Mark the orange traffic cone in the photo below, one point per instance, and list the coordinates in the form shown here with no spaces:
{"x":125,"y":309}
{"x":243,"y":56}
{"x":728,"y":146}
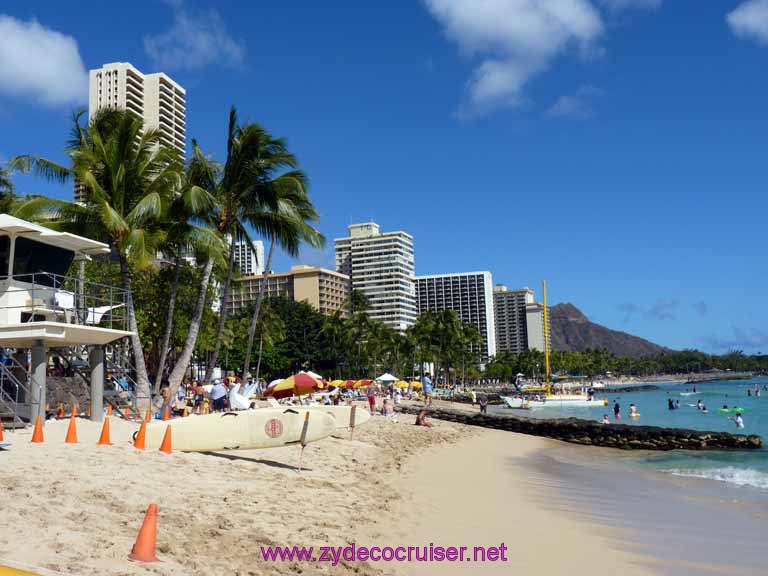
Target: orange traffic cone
{"x":37,"y":435}
{"x":141,"y":437}
{"x":60,"y":413}
{"x":75,"y":411}
{"x":148,"y":415}
{"x":166,"y":445}
{"x":146,"y":542}
{"x":71,"y":431}
{"x":104,"y":438}
{"x":109,"y":410}
{"x":166,"y":413}
{"x":1,"y":430}
{"x":88,"y":411}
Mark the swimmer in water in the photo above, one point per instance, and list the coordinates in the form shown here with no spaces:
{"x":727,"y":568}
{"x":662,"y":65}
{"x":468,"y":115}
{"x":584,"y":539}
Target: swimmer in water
{"x":632,"y":410}
{"x":738,"y":420}
{"x":605,"y":419}
{"x":704,"y":410}
{"x":617,"y":411}
{"x":698,"y":405}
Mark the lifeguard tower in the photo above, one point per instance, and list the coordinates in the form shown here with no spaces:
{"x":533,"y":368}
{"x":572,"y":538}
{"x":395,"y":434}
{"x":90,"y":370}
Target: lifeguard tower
{"x":45,"y":312}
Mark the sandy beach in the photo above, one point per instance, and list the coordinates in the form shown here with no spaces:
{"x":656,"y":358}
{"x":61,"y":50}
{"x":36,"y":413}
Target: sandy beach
{"x":76,"y":509}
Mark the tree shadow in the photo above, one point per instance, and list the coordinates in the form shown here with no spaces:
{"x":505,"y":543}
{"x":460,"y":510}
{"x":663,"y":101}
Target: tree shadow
{"x":270,"y":463}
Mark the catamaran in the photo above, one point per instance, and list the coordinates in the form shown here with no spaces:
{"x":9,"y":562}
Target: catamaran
{"x":531,"y":398}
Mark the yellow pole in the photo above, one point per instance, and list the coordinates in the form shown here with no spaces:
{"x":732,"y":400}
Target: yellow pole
{"x":546,"y":338}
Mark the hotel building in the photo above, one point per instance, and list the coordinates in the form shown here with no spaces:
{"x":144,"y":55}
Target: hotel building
{"x":249,"y":259}
{"x":469,"y":294}
{"x":511,"y":323}
{"x":325,"y":290}
{"x":380,"y":265}
{"x":534,"y":322}
{"x":156,"y":98}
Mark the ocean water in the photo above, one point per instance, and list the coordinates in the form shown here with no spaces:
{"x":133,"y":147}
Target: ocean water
{"x":748,"y":469}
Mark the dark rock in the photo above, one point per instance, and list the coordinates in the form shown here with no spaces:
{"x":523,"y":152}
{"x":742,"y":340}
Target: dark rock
{"x":622,"y":436}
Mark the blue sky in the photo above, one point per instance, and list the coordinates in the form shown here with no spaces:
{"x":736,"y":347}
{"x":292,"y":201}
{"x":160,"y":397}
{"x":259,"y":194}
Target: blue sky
{"x":616,"y":148}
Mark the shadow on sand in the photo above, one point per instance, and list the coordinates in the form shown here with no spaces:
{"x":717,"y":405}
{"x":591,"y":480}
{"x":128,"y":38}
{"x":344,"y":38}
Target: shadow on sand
{"x":271,"y":463}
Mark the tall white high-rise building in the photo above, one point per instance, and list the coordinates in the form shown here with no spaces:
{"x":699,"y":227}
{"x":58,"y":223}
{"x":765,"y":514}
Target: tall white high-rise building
{"x":469,"y":294}
{"x":158,"y":99}
{"x":381,"y":265}
{"x":249,"y":259}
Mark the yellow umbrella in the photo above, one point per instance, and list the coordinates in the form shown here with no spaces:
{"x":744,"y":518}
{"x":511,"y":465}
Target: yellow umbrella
{"x":296,"y":385}
{"x":402,"y":384}
{"x":416,"y":385}
{"x":337,"y":383}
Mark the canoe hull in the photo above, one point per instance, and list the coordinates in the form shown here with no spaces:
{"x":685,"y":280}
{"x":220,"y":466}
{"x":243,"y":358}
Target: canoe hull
{"x":244,"y":430}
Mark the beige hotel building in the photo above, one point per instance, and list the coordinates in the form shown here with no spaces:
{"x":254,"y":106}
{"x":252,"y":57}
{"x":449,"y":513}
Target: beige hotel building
{"x":325,"y":290}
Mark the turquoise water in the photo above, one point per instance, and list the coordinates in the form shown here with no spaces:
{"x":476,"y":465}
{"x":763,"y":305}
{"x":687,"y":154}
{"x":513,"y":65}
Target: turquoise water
{"x":744,"y":468}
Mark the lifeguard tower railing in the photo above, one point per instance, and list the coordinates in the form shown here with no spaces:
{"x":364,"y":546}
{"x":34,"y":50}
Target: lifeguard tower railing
{"x":48,"y":297}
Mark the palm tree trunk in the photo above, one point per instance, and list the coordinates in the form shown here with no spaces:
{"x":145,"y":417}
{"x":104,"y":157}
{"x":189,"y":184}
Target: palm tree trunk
{"x":142,"y":378}
{"x":258,"y":363}
{"x":257,"y":310}
{"x":168,"y":325}
{"x":222,"y":311}
{"x":180,"y":368}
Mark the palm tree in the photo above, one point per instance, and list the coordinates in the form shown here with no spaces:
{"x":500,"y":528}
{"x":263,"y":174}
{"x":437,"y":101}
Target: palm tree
{"x":188,"y":230}
{"x":6,"y":184}
{"x":201,"y":175}
{"x":289,"y":225}
{"x":243,"y":192}
{"x":128,"y":178}
{"x":271,"y":329}
{"x":334,"y":330}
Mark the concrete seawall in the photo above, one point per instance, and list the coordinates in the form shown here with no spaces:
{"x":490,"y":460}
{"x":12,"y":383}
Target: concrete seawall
{"x":578,"y":431}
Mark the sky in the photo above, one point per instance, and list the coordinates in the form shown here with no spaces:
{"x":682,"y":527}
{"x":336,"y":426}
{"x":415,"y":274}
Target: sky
{"x":615,"y":148}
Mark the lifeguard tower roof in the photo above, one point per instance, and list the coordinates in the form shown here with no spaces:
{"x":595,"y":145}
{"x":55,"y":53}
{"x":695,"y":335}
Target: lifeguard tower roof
{"x":12,"y":225}
{"x":40,"y":303}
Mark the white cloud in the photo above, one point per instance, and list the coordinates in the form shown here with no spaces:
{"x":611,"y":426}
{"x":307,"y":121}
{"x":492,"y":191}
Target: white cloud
{"x":196,"y":39}
{"x":576,"y":105}
{"x":515,"y":40}
{"x":750,"y":20}
{"x":40,"y":63}
{"x":619,"y":5}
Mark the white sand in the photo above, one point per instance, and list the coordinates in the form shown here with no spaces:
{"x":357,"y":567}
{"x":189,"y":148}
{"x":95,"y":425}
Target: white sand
{"x":476,"y":493}
{"x":77,"y":509}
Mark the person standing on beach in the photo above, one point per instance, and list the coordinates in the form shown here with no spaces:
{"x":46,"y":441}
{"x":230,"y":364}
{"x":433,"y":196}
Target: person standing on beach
{"x":218,"y":395}
{"x":483,"y":404}
{"x":371,"y":393}
{"x":616,"y":411}
{"x":426,"y":382}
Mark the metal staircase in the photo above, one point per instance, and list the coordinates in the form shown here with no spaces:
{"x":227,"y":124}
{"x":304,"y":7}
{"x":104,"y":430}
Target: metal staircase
{"x":15,"y":393}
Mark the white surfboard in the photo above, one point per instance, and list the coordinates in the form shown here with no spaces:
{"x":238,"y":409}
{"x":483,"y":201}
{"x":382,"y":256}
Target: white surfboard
{"x":340,"y":414}
{"x":265,"y":428}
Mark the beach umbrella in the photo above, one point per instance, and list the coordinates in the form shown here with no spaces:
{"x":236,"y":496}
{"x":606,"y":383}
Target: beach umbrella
{"x":402,"y":384}
{"x":386,"y":378}
{"x":349,"y":384}
{"x":314,"y":375}
{"x":296,"y":385}
{"x":362,"y":383}
{"x":416,"y":385}
{"x":337,"y":383}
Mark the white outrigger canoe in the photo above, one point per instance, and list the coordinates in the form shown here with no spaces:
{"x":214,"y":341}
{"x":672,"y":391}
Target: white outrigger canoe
{"x":557,"y":400}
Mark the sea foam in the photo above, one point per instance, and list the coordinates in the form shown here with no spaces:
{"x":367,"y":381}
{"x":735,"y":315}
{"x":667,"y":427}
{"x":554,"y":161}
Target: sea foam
{"x":729,"y":474}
